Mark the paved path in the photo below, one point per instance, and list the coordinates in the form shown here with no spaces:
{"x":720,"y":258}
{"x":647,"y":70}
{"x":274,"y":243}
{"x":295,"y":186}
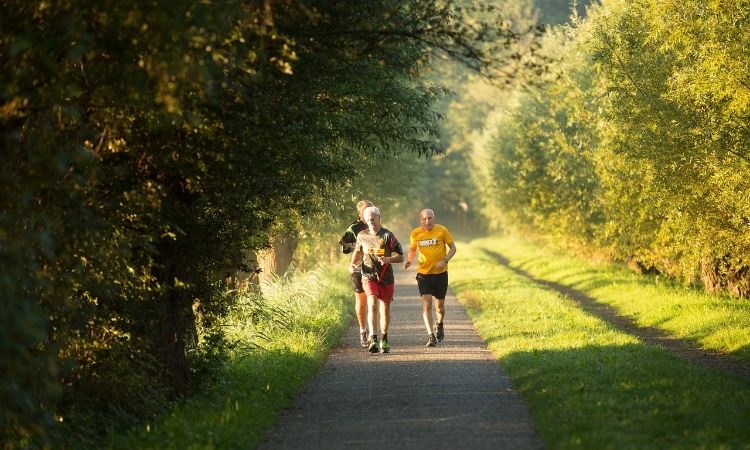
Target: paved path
{"x":452,"y":396}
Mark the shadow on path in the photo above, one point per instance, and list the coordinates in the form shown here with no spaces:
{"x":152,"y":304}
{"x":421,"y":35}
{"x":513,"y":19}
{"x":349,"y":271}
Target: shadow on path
{"x":652,"y":335}
{"x":455,"y":395}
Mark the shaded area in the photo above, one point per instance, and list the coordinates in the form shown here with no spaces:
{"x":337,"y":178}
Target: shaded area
{"x":640,"y":398}
{"x":681,"y":348}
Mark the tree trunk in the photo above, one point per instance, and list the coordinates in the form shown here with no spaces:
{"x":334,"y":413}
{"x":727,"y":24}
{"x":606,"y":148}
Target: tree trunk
{"x":172,"y":322}
{"x":278,"y":258}
{"x":720,"y":275}
{"x":172,"y":345}
{"x":738,"y":283}
{"x":710,"y":276}
{"x":247,"y":277}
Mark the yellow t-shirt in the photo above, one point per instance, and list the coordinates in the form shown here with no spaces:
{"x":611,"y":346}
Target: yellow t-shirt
{"x":431,"y":247}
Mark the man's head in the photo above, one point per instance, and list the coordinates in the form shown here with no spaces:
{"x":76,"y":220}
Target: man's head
{"x":427,"y":219}
{"x":371,"y":216}
{"x":361,"y":205}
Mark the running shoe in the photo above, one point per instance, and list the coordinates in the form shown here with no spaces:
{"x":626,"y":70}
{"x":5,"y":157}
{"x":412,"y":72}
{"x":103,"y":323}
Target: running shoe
{"x":432,"y":341}
{"x":363,"y":339}
{"x":373,"y":345}
{"x":439,"y":334}
{"x":384,"y":347}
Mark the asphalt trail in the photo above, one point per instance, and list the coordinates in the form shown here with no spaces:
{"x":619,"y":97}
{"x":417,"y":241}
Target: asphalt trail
{"x":452,"y":396}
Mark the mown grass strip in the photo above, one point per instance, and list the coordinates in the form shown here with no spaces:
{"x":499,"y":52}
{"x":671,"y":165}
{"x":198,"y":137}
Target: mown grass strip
{"x":589,"y":385}
{"x":714,"y":322}
{"x":255,"y":386}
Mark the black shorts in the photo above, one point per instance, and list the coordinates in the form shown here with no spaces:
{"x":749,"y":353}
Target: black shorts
{"x":357,"y":282}
{"x":433,"y":284}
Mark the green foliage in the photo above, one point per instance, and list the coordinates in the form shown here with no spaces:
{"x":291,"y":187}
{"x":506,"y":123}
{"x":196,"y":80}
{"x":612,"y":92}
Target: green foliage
{"x":634,"y":140}
{"x":687,"y":135}
{"x":148,"y":146}
{"x":396,"y":186}
{"x":282,"y":337}
{"x":478,"y":109}
{"x":543,"y":174}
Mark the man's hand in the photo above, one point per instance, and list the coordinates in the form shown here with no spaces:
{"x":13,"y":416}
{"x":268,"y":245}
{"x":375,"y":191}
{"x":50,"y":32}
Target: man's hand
{"x":407,"y":264}
{"x":354,"y":262}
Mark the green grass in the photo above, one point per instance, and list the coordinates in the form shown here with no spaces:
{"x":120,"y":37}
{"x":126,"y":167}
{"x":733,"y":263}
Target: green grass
{"x":716,"y":322}
{"x":256,"y":385}
{"x":589,"y":385}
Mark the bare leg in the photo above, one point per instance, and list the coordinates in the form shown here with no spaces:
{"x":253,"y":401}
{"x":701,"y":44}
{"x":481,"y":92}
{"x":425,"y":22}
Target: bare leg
{"x":385,"y":316}
{"x":440,"y":309}
{"x":372,"y":314}
{"x":360,"y":307}
{"x":427,"y":312}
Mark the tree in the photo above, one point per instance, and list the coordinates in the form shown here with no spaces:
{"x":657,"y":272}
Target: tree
{"x":147,"y":146}
{"x":679,"y":105}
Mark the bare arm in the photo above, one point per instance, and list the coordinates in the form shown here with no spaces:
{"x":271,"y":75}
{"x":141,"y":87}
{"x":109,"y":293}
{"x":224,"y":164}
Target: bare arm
{"x":410,"y":258}
{"x":394,"y":258}
{"x":451,"y":251}
{"x":356,"y":259}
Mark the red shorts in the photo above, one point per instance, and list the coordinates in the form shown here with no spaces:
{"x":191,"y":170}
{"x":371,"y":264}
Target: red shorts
{"x":382,"y":291}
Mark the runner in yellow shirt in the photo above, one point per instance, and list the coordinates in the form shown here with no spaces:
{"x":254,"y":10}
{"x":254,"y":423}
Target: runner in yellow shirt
{"x":430,"y":241}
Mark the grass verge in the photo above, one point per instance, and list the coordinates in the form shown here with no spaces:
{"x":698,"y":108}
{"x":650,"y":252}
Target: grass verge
{"x":710,"y":321}
{"x":589,"y":385}
{"x":255,"y":385}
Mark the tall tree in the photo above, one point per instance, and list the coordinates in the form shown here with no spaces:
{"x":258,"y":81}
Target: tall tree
{"x":146,"y":145}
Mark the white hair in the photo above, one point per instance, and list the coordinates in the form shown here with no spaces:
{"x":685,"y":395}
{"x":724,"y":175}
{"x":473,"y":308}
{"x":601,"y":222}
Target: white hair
{"x":371,"y":210}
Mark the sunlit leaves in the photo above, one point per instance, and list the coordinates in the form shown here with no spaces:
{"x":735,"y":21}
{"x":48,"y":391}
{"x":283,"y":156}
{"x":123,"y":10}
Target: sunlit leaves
{"x":678,"y":102}
{"x":651,"y":99}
